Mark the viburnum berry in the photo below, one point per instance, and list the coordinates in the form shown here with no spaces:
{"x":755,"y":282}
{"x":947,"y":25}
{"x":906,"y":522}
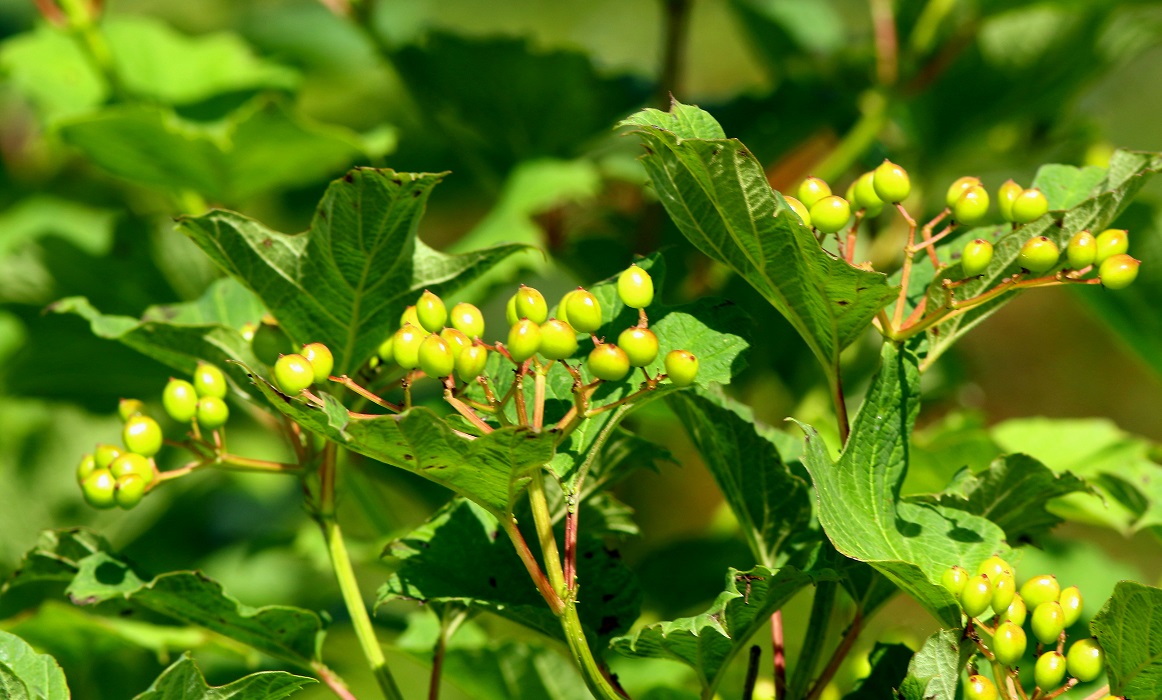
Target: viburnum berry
{"x":180,"y":400}
{"x":994,"y":566}
{"x":800,"y":210}
{"x":558,"y":340}
{"x":127,"y":408}
{"x":1111,"y":242}
{"x":530,"y":304}
{"x":436,"y":357}
{"x":640,"y":345}
{"x":132,"y":463}
{"x":1070,"y":600}
{"x":977,"y":595}
{"x":1004,"y":589}
{"x":524,"y":339}
{"x":1038,"y":255}
{"x":85,"y":467}
{"x":467,"y":319}
{"x":270,"y":341}
{"x":980,"y":688}
{"x":1118,"y":272}
{"x":1081,"y":250}
{"x":830,"y":214}
{"x":431,"y":312}
{"x":812,"y":190}
{"x":1030,"y":205}
{"x":1009,"y":643}
{"x":293,"y":373}
{"x":1048,"y":621}
{"x":972,"y":207}
{"x":209,"y":381}
{"x":405,"y":346}
{"x":1085,"y":660}
{"x":863,"y":195}
{"x":608,"y":362}
{"x":212,"y":412}
{"x":142,"y":435}
{"x":510,"y":311}
{"x":410,"y":315}
{"x":471,"y":361}
{"x":977,"y":255}
{"x":105,"y":454}
{"x":321,"y":359}
{"x":1049,"y":671}
{"x":954,"y":579}
{"x":891,"y":182}
{"x":1016,"y":612}
{"x":98,"y":489}
{"x":456,"y":340}
{"x":681,"y":367}
{"x":562,"y":313}
{"x":1040,"y":589}
{"x":959,"y":187}
{"x":129,"y":490}
{"x":635,"y":287}
{"x":1006,"y":195}
{"x":584,"y":311}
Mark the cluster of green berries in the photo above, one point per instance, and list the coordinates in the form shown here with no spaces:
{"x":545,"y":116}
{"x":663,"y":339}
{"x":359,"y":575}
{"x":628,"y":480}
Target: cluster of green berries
{"x":1039,"y":255}
{"x":1044,"y":604}
{"x":296,"y":371}
{"x":818,"y":208}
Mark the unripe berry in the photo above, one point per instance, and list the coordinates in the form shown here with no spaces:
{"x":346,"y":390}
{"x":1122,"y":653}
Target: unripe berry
{"x":1048,"y":621}
{"x":1111,"y":242}
{"x":431,"y":312}
{"x":85,"y":467}
{"x":864,"y":195}
{"x":1009,"y":643}
{"x":129,"y":491}
{"x":891,"y":182}
{"x":1085,"y":660}
{"x":1030,"y":205}
{"x":1082,"y":250}
{"x":435,"y":356}
{"x":98,"y":489}
{"x":270,"y":341}
{"x":980,"y":688}
{"x":635,"y":287}
{"x":584,"y":311}
{"x":1038,"y":255}
{"x":293,"y":373}
{"x":1118,"y":272}
{"x":558,"y":340}
{"x":681,"y":367}
{"x":830,"y":214}
{"x":812,"y":190}
{"x":180,"y":400}
{"x":1016,"y":612}
{"x":994,"y":566}
{"x":977,"y":255}
{"x":132,"y":464}
{"x":530,"y":304}
{"x":321,"y":359}
{"x":1040,"y":589}
{"x":405,"y":346}
{"x":1049,"y":671}
{"x":456,"y":340}
{"x":105,"y":454}
{"x":1004,"y":589}
{"x":409,"y":315}
{"x":640,"y":345}
{"x":209,"y":381}
{"x":954,"y":579}
{"x":1006,"y":195}
{"x":524,"y":339}
{"x":562,"y":313}
{"x":608,"y":362}
{"x":386,"y":350}
{"x":142,"y":435}
{"x":800,"y":210}
{"x":972,"y":207}
{"x":212,"y":412}
{"x":471,"y":361}
{"x":977,"y":595}
{"x":959,"y":187}
{"x":127,"y":408}
{"x":467,"y":319}
{"x":1070,"y":600}
{"x":510,"y":311}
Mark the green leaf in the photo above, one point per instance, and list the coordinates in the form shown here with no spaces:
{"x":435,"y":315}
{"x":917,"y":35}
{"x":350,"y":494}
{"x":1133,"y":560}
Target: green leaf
{"x":27,"y":674}
{"x":183,"y":681}
{"x":1066,"y":186}
{"x":770,"y":503}
{"x":859,"y":502}
{"x":707,"y":642}
{"x":1013,"y":493}
{"x":934,"y":673}
{"x":718,"y":195}
{"x":1129,"y":629}
{"x":461,"y":555}
{"x":513,"y":671}
{"x":889,"y":667}
{"x":345,"y":281}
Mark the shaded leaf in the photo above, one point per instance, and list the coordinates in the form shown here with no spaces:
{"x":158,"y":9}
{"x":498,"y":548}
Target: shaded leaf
{"x":183,"y":681}
{"x":27,"y":674}
{"x":934,"y":673}
{"x":1129,"y":629}
{"x":889,"y":667}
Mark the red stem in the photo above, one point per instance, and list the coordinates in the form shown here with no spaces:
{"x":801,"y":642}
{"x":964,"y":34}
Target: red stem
{"x":779,"y":652}
{"x":570,"y":547}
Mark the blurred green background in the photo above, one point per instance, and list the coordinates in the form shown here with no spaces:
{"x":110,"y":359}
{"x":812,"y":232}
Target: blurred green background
{"x":518,"y":100}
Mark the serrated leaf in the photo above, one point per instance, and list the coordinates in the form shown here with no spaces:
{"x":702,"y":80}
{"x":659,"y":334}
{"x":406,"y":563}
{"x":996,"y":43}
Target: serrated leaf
{"x":345,"y":281}
{"x":461,"y":555}
{"x":184,"y":681}
{"x":707,"y":642}
{"x":718,"y":195}
{"x":27,"y":674}
{"x":770,"y":503}
{"x":934,"y":672}
{"x":1129,"y":629}
{"x":889,"y":667}
{"x":859,"y":503}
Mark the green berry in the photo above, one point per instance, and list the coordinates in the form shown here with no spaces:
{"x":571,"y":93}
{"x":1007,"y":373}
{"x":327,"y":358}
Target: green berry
{"x":812,"y":190}
{"x":321,"y":359}
{"x":431,"y":312}
{"x":800,"y":210}
{"x":1082,"y":250}
{"x":977,"y":255}
{"x":129,"y":491}
{"x":1111,"y":242}
{"x":405,"y":346}
{"x":409,"y":315}
{"x":1118,"y":272}
{"x":524,"y":339}
{"x":467,"y":319}
{"x":270,"y":341}
{"x":85,"y":467}
{"x":471,"y":361}
{"x":640,"y":345}
{"x":1016,"y":612}
{"x":1004,"y":589}
{"x":456,"y":340}
{"x":180,"y":400}
{"x":1048,"y":621}
{"x":293,"y":373}
{"x":954,"y":579}
{"x":994,"y":566}
{"x":436,"y":357}
{"x":681,"y":367}
{"x":864,"y":194}
{"x":105,"y":454}
{"x":132,"y":464}
{"x":212,"y":412}
{"x":1009,"y":643}
{"x":972,"y":207}
{"x":1049,"y":671}
{"x":127,"y":408}
{"x":1030,"y":205}
{"x":510,"y":311}
{"x":1038,"y":255}
{"x":959,"y":187}
{"x":209,"y":381}
{"x":98,"y":489}
{"x":608,"y":362}
{"x":1085,"y":660}
{"x":562,"y":312}
{"x":977,"y":595}
{"x":530,"y":304}
{"x":142,"y":435}
{"x":1071,"y":601}
{"x":1040,"y":589}
{"x":635,"y":287}
{"x":386,"y":350}
{"x":558,"y":340}
{"x":980,"y":688}
{"x":1006,"y":195}
{"x":584,"y":311}
{"x":891,"y":182}
{"x":830,"y":214}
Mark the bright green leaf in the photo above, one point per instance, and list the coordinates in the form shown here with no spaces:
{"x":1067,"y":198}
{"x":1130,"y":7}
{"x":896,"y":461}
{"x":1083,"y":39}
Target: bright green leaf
{"x":183,"y":681}
{"x":23,"y":671}
{"x":1129,"y":629}
{"x":934,"y":673}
